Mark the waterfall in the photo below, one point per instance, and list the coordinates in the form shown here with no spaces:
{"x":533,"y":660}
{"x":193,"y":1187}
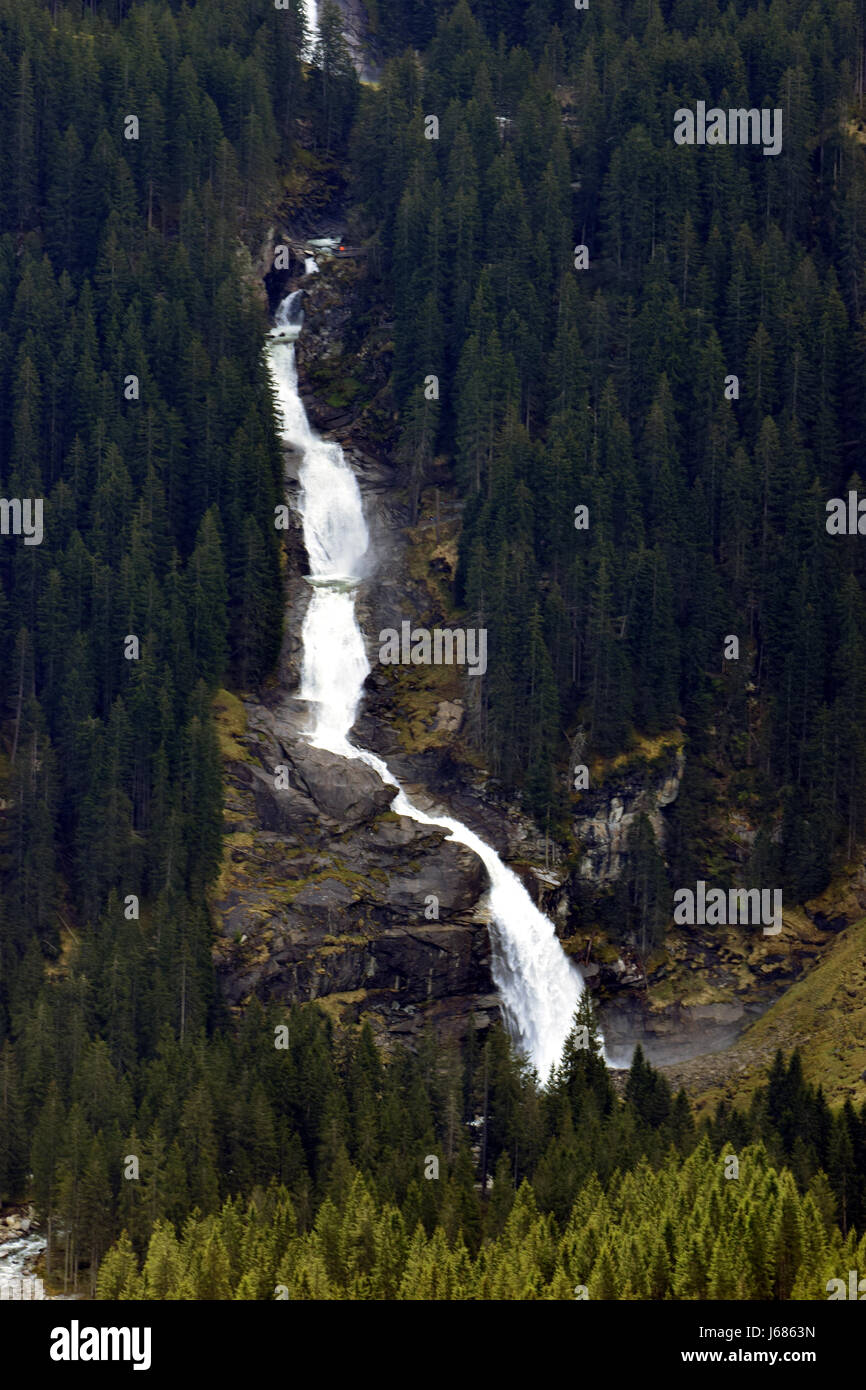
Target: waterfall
{"x":289,"y":313}
{"x":311,"y":24}
{"x":538,"y":986}
{"x":289,"y":317}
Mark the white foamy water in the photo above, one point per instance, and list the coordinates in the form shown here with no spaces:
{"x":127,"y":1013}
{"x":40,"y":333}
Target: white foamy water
{"x":539,"y":988}
{"x":17,"y":1261}
{"x":311,"y":24}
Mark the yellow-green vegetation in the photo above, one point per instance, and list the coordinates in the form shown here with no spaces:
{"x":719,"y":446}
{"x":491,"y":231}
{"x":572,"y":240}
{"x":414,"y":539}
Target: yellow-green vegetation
{"x":824,"y":1015}
{"x":331,"y":869}
{"x":334,"y":1004}
{"x":844,"y":895}
{"x":743,"y":954}
{"x":69,"y":943}
{"x":610,"y":1238}
{"x":229,"y":868}
{"x":602,"y":951}
{"x":642,"y":750}
{"x":231,"y":724}
{"x":307,"y":184}
{"x":272,"y":889}
{"x":605,"y":953}
{"x":417,"y":692}
{"x":431,"y":541}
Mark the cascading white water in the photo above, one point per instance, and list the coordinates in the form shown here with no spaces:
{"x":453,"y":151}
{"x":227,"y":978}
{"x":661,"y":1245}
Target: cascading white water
{"x":289,"y":314}
{"x":311,"y":24}
{"x":538,"y":986}
{"x":18,"y":1263}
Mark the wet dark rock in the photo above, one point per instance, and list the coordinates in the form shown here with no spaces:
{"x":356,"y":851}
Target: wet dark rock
{"x":285,"y":811}
{"x":327,"y":893}
{"x":343,"y":789}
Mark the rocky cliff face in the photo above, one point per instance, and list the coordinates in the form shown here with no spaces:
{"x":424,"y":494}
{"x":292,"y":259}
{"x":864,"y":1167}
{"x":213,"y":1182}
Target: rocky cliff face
{"x":357,"y":35}
{"x":326,"y":893}
{"x":607,"y":817}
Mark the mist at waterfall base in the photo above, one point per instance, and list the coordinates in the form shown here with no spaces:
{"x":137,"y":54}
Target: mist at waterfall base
{"x":539,"y":988}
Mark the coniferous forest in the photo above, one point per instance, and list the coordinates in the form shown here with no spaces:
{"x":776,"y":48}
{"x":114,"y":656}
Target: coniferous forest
{"x":584,"y":291}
